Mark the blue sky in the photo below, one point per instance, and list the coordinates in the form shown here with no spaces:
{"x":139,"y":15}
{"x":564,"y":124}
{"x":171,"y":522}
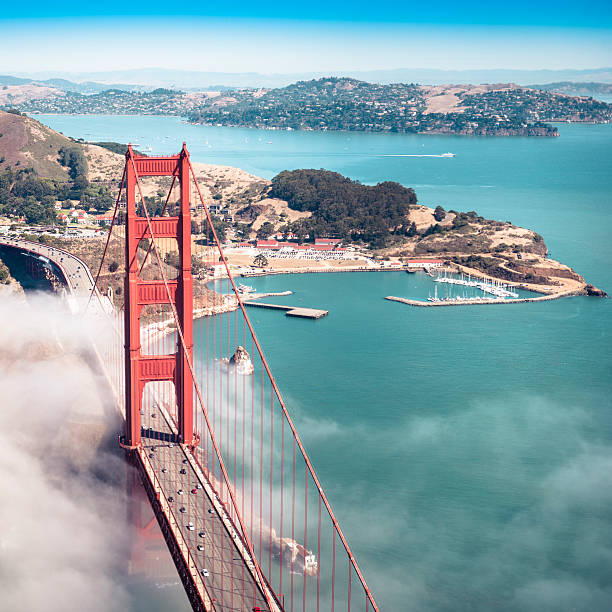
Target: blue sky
{"x":565,"y":13}
{"x":293,"y":37}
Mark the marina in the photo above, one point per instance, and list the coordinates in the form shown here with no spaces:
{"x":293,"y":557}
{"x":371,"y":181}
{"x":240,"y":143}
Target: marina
{"x":493,"y":287}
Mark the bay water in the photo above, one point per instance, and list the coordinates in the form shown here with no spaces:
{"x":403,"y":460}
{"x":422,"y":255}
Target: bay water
{"x":467,"y":451}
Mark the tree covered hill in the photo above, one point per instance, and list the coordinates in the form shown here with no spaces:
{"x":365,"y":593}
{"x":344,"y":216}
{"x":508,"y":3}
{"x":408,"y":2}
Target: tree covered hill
{"x":344,"y":104}
{"x":39,"y":167}
{"x":349,"y":104}
{"x":573,"y":88}
{"x":344,"y":208}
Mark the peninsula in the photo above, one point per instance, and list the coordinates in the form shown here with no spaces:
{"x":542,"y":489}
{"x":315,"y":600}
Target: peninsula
{"x":51,"y":187}
{"x":334,"y":103}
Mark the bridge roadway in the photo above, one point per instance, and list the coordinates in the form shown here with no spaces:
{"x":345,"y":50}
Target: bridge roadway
{"x":211,"y":540}
{"x":76,"y":274}
{"x":222,"y":570}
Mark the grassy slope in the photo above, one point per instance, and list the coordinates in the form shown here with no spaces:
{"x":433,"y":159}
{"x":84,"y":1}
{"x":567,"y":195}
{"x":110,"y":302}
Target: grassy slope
{"x":27,"y":143}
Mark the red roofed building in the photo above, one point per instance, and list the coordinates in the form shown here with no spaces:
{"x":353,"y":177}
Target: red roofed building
{"x":103,"y":219}
{"x":327,"y":241}
{"x":424,"y":263}
{"x":267,"y":244}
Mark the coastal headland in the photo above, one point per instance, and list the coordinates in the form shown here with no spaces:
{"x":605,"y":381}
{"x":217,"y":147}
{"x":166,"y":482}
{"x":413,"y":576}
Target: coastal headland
{"x":272,"y":226}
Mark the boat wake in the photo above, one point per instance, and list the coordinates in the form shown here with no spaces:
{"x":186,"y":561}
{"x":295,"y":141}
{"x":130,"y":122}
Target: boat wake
{"x":416,"y":155}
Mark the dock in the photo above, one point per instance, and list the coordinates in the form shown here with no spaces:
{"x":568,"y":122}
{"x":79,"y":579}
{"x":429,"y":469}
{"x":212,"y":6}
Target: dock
{"x":292,"y":311}
{"x":542,"y":298}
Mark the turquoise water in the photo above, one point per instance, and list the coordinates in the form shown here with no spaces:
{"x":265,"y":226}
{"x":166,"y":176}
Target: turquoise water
{"x":466,"y":450}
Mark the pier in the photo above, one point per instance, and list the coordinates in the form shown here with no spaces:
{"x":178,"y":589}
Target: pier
{"x":460,"y":302}
{"x":292,"y":311}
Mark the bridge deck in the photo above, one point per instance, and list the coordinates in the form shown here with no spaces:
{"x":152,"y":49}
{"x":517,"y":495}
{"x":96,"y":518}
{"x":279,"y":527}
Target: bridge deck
{"x":230,"y":583}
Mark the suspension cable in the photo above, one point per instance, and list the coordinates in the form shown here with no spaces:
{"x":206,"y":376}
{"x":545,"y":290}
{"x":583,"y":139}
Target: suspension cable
{"x":263,"y":582}
{"x":282,"y":403}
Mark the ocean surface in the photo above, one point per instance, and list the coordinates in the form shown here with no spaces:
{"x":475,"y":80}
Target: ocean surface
{"x":467,"y":451}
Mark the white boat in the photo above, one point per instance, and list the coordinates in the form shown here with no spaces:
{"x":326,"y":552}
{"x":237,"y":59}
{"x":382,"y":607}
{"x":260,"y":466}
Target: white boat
{"x":447,"y":155}
{"x":245,"y":289}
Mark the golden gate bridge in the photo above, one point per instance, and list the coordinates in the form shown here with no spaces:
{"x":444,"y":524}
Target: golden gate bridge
{"x":238,"y":501}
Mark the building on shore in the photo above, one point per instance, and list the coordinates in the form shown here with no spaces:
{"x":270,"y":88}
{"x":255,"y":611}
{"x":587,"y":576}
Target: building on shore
{"x":424,"y":263}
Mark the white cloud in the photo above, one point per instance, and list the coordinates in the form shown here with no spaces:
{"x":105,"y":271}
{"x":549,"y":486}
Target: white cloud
{"x":61,"y":517}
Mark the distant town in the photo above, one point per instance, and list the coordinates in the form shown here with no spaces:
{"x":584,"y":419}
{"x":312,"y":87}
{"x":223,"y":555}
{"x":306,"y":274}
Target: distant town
{"x":335,"y":104}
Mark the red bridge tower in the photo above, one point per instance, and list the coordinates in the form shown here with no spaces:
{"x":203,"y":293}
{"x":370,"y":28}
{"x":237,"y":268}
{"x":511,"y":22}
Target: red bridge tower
{"x":141,"y":369}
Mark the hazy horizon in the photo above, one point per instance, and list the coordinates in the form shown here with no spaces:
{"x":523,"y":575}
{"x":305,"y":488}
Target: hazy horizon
{"x":151,"y":77}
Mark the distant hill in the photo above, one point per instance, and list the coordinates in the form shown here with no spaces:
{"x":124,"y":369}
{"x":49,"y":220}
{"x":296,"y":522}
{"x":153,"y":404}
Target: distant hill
{"x":6,"y":79}
{"x":85,"y":87}
{"x":331,"y":103}
{"x":198,"y":80}
{"x":574,"y":88}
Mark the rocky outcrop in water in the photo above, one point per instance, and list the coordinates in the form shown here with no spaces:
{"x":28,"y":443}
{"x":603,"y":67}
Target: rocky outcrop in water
{"x":594,"y":291}
{"x":241,"y":361}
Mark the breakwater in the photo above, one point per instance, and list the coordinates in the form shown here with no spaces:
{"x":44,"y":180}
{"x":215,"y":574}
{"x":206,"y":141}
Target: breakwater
{"x":541,"y":298}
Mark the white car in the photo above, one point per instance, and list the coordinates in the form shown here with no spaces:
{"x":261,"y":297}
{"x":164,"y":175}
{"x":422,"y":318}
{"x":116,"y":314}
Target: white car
{"x":204,"y":572}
